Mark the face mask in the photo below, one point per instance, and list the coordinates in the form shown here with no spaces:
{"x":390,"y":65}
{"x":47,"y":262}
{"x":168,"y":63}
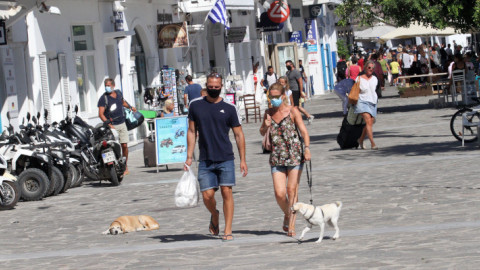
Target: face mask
{"x":276,"y":102}
{"x":108,"y":89}
{"x":289,"y":67}
{"x":213,"y":93}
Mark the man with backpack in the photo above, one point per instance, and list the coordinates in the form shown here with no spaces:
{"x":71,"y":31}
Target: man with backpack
{"x":269,"y":78}
{"x":341,"y":68}
{"x":110,"y":107}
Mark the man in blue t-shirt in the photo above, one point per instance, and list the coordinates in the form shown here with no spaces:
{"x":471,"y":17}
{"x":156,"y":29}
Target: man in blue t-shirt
{"x":213,"y":118}
{"x":110,"y":106}
{"x":192,"y":91}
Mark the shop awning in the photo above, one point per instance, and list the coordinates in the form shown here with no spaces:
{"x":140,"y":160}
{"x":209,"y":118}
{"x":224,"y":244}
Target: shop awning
{"x":416,"y":30}
{"x":373,"y":33}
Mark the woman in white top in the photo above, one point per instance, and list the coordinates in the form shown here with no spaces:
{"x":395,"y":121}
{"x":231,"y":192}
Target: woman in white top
{"x":367,"y":103}
{"x":284,"y":82}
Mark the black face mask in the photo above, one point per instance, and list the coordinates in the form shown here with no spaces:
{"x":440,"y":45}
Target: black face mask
{"x":213,"y":93}
{"x":289,"y":67}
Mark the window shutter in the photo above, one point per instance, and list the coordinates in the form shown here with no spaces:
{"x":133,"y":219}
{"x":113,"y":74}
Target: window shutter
{"x":43,"y":59}
{"x":62,"y":69}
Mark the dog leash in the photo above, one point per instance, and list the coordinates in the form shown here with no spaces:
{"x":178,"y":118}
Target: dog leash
{"x":309,"y":178}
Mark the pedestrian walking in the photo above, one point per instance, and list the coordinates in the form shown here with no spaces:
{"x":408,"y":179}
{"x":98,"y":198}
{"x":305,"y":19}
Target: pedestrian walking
{"x":192,"y":91}
{"x":354,"y":69}
{"x":284,"y":82}
{"x":110,"y":107}
{"x":342,"y":89}
{"x":295,"y":81}
{"x":214,"y":118}
{"x":269,"y":78}
{"x":367,"y":103}
{"x":286,"y":159}
{"x":395,"y":68}
{"x":341,"y":68}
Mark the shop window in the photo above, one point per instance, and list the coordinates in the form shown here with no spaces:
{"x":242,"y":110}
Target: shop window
{"x":87,"y":89}
{"x":83,"y":45}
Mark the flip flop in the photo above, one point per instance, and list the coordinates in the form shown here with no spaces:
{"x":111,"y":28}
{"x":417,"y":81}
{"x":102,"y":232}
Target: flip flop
{"x":226,"y":236}
{"x":214,"y":230}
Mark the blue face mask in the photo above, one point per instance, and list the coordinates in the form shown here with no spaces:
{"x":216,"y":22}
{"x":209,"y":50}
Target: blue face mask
{"x":276,"y":102}
{"x":108,"y":89}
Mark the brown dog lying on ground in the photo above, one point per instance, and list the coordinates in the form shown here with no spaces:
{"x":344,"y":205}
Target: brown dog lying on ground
{"x":125,"y":224}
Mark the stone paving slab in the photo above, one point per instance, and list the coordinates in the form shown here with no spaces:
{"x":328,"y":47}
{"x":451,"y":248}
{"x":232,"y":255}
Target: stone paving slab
{"x":413,"y":204}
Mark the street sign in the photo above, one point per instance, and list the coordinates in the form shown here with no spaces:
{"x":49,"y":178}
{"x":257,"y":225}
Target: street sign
{"x":278,"y":11}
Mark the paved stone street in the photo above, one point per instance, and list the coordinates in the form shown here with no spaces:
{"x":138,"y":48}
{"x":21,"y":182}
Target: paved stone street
{"x":413,"y":204}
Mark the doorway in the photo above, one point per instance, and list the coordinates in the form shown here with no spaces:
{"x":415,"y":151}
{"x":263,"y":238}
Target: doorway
{"x":282,"y":53}
{"x":138,"y":75}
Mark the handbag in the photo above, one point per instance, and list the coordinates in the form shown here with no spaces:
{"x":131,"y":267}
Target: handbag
{"x":354,"y":93}
{"x":267,"y":141}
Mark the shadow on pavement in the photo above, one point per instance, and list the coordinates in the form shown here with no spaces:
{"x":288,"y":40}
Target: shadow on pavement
{"x":257,"y":232}
{"x":184,"y":237}
{"x":381,"y":109}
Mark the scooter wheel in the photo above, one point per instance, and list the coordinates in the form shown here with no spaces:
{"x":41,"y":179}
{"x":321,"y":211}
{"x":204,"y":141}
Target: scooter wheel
{"x":113,"y":176}
{"x":33,"y":184}
{"x":11,"y":195}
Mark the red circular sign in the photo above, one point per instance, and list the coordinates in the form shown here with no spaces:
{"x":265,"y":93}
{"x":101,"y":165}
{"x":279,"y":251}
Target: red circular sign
{"x":278,"y":12}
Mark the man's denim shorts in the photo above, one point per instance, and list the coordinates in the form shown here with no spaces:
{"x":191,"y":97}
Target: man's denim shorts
{"x":284,"y":169}
{"x":214,"y":174}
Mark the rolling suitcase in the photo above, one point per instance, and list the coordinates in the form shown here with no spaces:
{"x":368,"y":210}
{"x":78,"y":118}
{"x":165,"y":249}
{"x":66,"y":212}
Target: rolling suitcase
{"x":149,"y":157}
{"x":351,"y":130}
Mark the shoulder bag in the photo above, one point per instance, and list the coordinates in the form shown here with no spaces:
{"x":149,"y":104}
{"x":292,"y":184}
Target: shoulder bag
{"x":354,"y":93}
{"x":267,"y":140}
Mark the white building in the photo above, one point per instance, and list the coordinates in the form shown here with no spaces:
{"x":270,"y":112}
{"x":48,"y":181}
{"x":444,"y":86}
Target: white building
{"x":59,"y":52}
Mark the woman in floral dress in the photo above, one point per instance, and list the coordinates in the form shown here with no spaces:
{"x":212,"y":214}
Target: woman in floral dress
{"x":286,"y":160}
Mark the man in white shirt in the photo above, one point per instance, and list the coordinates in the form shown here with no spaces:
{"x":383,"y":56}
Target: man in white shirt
{"x":269,"y":79}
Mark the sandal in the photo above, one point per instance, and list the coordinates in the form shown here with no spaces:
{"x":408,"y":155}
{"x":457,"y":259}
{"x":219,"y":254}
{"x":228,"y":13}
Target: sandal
{"x":214,"y":230}
{"x":226,"y":236}
{"x":286,"y":220}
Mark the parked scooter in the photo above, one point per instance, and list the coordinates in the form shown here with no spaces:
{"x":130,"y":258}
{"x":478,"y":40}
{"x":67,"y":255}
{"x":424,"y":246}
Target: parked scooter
{"x":100,"y":150}
{"x":9,"y":192}
{"x":25,"y":161}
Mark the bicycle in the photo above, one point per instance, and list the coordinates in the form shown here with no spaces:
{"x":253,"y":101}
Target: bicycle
{"x":456,"y":123}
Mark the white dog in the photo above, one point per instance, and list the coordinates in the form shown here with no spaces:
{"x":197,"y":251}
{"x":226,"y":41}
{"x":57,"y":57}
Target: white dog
{"x":319,"y":215}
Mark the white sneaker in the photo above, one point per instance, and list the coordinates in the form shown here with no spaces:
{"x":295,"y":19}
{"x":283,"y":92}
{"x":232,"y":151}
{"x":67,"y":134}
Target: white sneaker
{"x":310,"y":119}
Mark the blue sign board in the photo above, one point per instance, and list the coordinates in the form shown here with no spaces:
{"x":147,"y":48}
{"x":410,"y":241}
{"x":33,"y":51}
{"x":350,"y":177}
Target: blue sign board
{"x":296,"y":36}
{"x":311,"y":31}
{"x":171,"y":139}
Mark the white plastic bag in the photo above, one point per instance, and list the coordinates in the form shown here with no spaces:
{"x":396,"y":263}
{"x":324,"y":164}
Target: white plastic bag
{"x":186,"y":193}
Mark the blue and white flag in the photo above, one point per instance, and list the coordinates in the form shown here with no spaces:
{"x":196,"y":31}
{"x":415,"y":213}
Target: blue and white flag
{"x":219,"y":14}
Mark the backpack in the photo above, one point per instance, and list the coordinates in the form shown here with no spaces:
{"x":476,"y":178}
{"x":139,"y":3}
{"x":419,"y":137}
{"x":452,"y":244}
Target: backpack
{"x":341,"y":67}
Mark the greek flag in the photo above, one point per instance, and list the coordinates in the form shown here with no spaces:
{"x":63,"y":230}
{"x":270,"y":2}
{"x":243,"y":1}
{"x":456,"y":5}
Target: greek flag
{"x":219,"y":14}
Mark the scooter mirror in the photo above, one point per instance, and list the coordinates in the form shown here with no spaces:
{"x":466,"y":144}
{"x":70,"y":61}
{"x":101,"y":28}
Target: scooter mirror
{"x":28,"y":116}
{"x":38,"y":116}
{"x":68,"y":107}
{"x":8,"y":116}
{"x":45,"y":113}
{"x":23,"y":121}
{"x":76,"y":109}
{"x":34,"y":119}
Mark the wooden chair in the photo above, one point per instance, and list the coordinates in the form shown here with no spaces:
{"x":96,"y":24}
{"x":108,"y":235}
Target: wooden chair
{"x":251,"y":106}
